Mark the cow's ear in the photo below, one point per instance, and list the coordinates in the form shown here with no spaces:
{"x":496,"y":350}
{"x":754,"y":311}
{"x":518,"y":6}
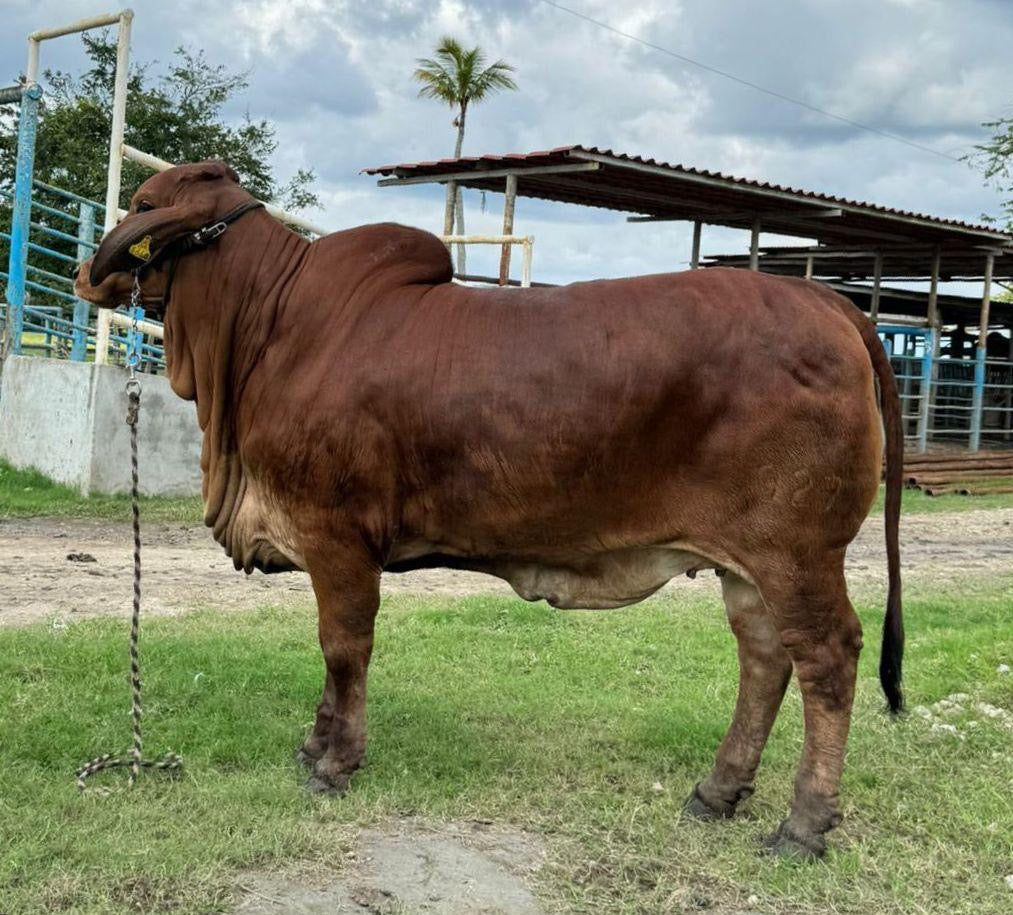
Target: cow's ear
{"x":139,"y":237}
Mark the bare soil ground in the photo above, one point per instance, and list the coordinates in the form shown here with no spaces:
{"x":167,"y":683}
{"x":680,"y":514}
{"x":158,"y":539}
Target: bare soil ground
{"x":184,"y":569}
{"x":410,"y":866}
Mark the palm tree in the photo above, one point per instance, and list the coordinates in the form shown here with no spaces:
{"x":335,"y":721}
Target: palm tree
{"x":459,"y":78}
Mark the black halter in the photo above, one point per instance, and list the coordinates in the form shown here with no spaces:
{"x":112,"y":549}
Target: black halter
{"x":193,"y":241}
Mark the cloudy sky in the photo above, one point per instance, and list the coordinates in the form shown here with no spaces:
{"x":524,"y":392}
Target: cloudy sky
{"x":335,"y":77}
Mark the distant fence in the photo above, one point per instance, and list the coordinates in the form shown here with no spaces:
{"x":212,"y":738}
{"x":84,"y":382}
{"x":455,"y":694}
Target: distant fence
{"x":947,"y":399}
{"x":63,"y":231}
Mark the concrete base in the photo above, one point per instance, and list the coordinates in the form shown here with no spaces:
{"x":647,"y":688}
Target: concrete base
{"x":67,"y":420}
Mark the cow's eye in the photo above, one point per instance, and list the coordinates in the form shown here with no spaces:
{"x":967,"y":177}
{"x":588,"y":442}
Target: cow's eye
{"x":144,"y":206}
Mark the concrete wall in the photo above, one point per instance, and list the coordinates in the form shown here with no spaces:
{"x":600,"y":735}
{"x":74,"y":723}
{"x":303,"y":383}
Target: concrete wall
{"x":67,"y":420}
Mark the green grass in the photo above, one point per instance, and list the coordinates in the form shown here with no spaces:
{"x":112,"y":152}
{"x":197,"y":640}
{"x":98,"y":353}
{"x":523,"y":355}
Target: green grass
{"x":493,"y":709}
{"x":29,"y":494}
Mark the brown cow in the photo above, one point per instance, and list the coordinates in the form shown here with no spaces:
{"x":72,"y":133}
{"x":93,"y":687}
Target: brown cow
{"x":585,"y":443}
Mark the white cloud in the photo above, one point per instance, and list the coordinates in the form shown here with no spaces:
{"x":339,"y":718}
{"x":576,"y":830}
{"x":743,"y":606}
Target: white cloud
{"x":335,"y":76}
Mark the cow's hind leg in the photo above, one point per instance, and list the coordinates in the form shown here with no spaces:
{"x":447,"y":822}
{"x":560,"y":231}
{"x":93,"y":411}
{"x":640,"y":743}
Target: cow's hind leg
{"x":764,"y":672}
{"x":348,"y":595}
{"x":823,"y":637}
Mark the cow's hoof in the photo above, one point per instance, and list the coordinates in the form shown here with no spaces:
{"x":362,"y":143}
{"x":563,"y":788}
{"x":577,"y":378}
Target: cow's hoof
{"x":701,"y":809}
{"x":336,"y":786}
{"x":786,"y":842}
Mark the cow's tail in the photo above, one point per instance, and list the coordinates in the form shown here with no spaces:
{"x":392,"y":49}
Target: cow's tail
{"x":892,"y":651}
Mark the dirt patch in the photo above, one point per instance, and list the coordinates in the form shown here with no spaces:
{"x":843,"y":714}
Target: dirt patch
{"x":452,"y":869}
{"x":184,"y":569}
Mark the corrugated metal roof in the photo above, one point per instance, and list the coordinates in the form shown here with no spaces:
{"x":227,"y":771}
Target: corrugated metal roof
{"x":563,"y":154}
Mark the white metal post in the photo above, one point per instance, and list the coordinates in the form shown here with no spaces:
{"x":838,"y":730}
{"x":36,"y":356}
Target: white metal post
{"x":526,"y":263}
{"x":754,"y":246}
{"x":694,"y":257}
{"x":124,"y":18}
{"x":115,"y":166}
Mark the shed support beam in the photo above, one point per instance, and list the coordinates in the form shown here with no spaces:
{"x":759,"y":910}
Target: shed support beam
{"x":877,"y":282}
{"x":694,"y":257}
{"x":448,"y":209}
{"x":754,"y":246}
{"x":809,"y":263}
{"x":483,"y":174}
{"x":981,"y":354}
{"x":508,"y":227}
{"x":932,"y":314}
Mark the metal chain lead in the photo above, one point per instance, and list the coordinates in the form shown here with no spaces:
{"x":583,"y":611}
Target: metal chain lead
{"x":136,"y":760}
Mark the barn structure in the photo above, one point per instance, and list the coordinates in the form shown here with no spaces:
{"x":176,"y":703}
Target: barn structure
{"x":953,"y":354}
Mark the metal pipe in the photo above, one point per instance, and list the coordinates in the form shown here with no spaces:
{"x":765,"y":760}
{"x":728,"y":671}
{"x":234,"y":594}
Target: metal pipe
{"x":754,"y":246}
{"x":82,"y":309}
{"x":694,"y":257}
{"x":145,"y":327}
{"x":161,"y":165}
{"x":22,"y":215}
{"x":115,"y":166}
{"x":526,"y":262}
{"x":82,"y":25}
{"x":925,"y":405}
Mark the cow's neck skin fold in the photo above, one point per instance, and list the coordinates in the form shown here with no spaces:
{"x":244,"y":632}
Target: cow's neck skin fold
{"x":224,"y":305}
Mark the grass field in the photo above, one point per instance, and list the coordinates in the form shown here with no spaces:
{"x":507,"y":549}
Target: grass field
{"x":28,"y":494}
{"x":489,"y":708}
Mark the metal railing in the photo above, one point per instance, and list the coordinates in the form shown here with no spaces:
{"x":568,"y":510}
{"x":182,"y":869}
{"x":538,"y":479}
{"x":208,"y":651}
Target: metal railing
{"x":64,"y":230}
{"x":945,"y":398}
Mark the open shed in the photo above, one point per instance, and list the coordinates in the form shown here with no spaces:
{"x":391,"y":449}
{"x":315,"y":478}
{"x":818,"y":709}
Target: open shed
{"x":953,"y":354}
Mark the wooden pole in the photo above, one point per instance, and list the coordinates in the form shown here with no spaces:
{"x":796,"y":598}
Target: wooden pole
{"x":981,"y":354}
{"x":932,"y":315}
{"x":877,"y":280}
{"x":694,"y":257}
{"x":986,"y":302}
{"x":754,"y":246}
{"x":448,"y":209}
{"x":508,"y":227}
{"x":932,"y":340}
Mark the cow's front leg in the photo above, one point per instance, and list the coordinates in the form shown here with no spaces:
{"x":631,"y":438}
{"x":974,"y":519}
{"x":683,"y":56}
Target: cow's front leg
{"x":316,"y":744}
{"x":347,"y":588}
{"x":764,"y":672}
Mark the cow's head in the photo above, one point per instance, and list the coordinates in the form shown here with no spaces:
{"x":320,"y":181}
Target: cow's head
{"x":167,"y":207}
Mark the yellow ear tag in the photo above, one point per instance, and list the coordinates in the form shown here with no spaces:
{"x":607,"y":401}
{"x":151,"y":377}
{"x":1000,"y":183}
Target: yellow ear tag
{"x":141,"y":249}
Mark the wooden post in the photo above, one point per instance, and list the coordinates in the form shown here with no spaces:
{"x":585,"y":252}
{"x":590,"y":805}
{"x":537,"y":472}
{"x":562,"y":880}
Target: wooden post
{"x":877,"y":280}
{"x":930,"y":370}
{"x":932,"y":315}
{"x":694,"y":257}
{"x":508,"y":227}
{"x":981,"y":354}
{"x":754,"y":246}
{"x":448,"y":209}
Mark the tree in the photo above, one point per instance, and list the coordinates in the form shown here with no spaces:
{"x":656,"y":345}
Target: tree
{"x":995,"y":159}
{"x":459,"y":78}
{"x":176,"y":116}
